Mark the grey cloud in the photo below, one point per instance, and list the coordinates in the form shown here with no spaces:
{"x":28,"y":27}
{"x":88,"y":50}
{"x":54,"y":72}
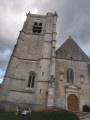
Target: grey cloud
{"x":73,"y":20}
{"x":5,"y":53}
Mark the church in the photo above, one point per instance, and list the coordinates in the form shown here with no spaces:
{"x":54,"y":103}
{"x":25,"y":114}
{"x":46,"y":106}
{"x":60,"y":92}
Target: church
{"x":43,"y":78}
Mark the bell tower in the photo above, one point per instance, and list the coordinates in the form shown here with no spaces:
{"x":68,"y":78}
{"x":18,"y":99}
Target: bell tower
{"x":32,"y":64}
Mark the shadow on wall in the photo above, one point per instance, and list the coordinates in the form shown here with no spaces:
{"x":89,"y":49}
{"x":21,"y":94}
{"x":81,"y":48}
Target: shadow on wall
{"x":89,"y":71}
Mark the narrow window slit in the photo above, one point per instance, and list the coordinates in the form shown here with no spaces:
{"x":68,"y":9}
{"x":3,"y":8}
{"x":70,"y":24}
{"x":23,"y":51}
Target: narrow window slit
{"x":42,"y":73}
{"x":40,"y":90}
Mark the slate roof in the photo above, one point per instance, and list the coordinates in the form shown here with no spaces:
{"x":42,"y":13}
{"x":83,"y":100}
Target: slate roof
{"x":70,"y":50}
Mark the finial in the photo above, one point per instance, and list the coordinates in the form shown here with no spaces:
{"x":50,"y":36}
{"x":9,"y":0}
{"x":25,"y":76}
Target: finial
{"x":55,"y":14}
{"x":70,"y":38}
{"x":28,"y":13}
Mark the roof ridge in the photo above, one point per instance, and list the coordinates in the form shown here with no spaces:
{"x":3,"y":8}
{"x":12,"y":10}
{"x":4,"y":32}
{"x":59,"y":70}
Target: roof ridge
{"x":70,"y":49}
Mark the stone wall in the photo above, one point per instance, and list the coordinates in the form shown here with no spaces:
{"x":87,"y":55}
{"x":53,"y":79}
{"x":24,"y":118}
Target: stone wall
{"x":82,"y":85}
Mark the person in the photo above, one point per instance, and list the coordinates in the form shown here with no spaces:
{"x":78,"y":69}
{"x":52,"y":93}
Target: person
{"x":24,"y":114}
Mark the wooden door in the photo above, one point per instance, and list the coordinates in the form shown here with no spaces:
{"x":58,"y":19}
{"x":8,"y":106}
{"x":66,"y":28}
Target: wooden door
{"x":72,"y":102}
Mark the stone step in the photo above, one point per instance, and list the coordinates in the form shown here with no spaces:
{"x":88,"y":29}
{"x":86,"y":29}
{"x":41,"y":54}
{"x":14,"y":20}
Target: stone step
{"x":82,"y":115}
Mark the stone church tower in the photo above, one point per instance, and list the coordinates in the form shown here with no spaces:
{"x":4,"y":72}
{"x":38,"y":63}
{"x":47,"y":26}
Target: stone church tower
{"x":43,"y":78}
{"x":30,"y":73}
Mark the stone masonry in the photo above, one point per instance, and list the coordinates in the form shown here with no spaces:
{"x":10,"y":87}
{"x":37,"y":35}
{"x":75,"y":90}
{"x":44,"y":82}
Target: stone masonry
{"x":43,"y":78}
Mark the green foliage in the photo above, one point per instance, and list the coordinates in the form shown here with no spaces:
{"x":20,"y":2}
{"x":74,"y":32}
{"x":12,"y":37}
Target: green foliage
{"x":53,"y":115}
{"x":86,"y":108}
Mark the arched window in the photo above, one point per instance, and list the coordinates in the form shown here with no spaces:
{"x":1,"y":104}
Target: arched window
{"x":70,"y":78}
{"x":37,"y":27}
{"x":31,"y":80}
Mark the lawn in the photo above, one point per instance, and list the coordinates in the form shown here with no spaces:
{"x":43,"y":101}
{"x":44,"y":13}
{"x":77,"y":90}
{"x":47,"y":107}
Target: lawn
{"x":53,"y":115}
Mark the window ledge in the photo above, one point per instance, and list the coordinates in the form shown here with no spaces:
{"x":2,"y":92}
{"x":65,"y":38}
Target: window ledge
{"x":67,"y":83}
{"x":29,"y":89}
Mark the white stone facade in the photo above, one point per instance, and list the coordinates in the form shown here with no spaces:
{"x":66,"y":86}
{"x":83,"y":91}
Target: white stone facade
{"x":36,"y":53}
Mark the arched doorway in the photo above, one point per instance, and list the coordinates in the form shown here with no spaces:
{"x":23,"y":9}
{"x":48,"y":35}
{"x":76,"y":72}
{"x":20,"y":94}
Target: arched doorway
{"x":73,"y":103}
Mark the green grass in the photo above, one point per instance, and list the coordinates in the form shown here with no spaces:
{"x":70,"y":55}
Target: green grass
{"x":53,"y":115}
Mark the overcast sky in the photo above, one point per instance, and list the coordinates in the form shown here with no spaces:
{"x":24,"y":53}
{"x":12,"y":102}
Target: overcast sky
{"x":73,"y":20}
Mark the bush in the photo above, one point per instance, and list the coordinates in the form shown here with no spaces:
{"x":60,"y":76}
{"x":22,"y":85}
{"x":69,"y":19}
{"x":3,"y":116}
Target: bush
{"x":86,"y":108}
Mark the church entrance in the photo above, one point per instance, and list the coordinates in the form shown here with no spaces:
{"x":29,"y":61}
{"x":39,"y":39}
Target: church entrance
{"x":73,"y":103}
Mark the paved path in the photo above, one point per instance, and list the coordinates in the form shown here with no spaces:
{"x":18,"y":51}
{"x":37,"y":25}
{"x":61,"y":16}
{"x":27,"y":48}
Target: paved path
{"x":83,"y":115}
